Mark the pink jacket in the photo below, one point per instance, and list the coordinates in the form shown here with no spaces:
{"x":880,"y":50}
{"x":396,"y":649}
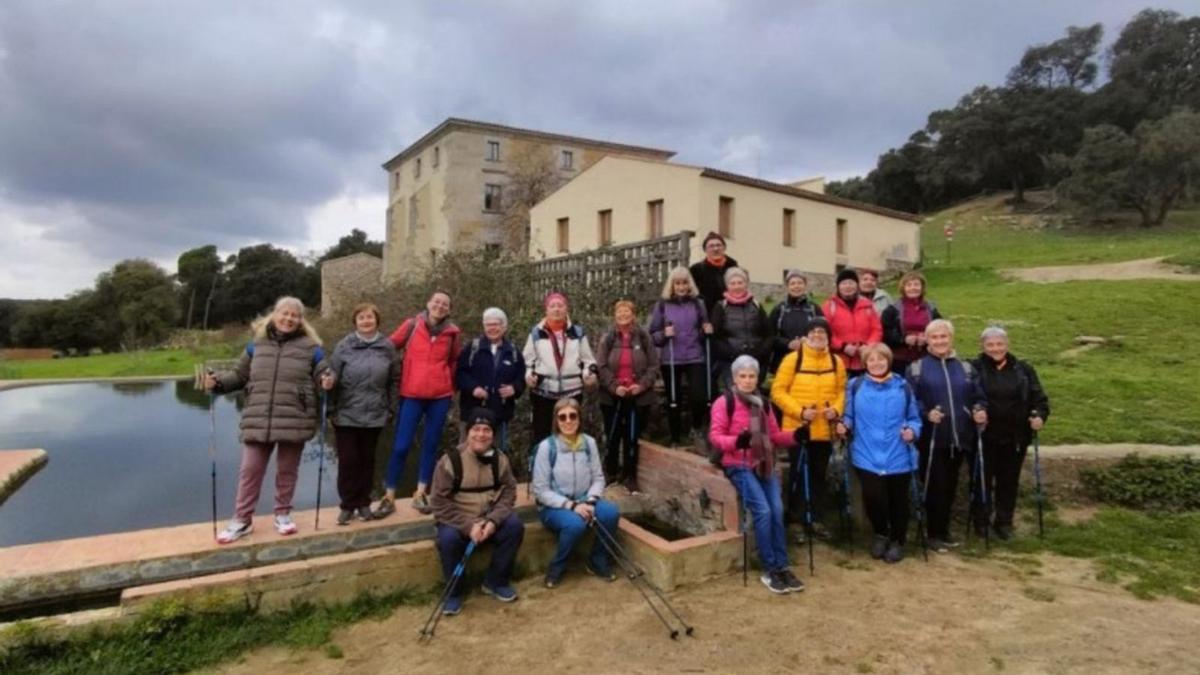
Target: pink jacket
{"x":723,"y":431}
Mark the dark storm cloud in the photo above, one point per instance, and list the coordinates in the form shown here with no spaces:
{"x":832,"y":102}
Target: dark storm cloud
{"x":165,"y":125}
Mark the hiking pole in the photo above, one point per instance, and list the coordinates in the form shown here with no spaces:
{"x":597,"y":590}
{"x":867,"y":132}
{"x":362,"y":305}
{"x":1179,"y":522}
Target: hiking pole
{"x":432,"y":622}
{"x":321,"y":460}
{"x":635,"y":573}
{"x":671,"y":358}
{"x":983,"y":488}
{"x":212,"y":453}
{"x":808,"y":514}
{"x":847,"y":515}
{"x":708,"y":366}
{"x":916,"y":494}
{"x":1037,"y":477}
{"x":610,"y":435}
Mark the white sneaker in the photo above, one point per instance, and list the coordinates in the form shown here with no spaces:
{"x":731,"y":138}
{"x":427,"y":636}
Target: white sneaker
{"x":235,"y":530}
{"x":284,"y":524}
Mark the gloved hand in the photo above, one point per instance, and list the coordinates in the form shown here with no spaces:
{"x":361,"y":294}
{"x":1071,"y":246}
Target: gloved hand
{"x":743,"y":440}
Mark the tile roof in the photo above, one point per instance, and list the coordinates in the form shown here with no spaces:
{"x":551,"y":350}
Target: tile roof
{"x":717,"y":174}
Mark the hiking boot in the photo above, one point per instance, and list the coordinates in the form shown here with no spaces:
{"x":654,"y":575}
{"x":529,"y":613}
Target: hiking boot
{"x":503,"y":593}
{"x":794,"y":584}
{"x":895,"y":553}
{"x":604,"y":573}
{"x":552,"y":580}
{"x":386,"y":508}
{"x":364,"y":513}
{"x":774,"y":583}
{"x":800,"y":538}
{"x":235,"y":530}
{"x":879,"y":546}
{"x":453,"y":606}
{"x":420,"y":502}
{"x":631,"y":484}
{"x":938,"y":545}
{"x":1004,"y":532}
{"x":345,"y":516}
{"x":821,"y":532}
{"x":284,"y":524}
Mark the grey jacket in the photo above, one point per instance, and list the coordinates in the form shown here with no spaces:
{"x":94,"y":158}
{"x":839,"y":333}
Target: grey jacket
{"x":645,"y":365}
{"x":279,"y":377}
{"x":881,"y":300}
{"x":577,"y":475}
{"x":365,"y":395}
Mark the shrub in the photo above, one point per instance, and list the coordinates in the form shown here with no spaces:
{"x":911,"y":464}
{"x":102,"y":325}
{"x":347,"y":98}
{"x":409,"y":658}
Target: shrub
{"x":1147,"y":483}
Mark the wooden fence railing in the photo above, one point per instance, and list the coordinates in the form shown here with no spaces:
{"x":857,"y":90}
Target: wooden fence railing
{"x":627,"y":268}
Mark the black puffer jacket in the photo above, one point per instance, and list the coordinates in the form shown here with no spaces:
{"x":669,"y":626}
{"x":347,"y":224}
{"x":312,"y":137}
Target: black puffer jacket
{"x":1031,"y":397}
{"x":788,"y":321}
{"x":741,"y":329}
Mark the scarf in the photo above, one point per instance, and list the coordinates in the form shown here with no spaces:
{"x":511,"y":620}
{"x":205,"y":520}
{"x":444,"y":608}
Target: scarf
{"x":435,"y":329}
{"x":716,"y":262}
{"x":558,"y":331}
{"x":742,"y":299}
{"x":914,"y":314}
{"x":278,"y":336}
{"x":762,"y":453}
{"x":572,"y":444}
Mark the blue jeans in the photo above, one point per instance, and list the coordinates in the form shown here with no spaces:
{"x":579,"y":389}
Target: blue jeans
{"x":761,"y":497}
{"x":411,"y":411}
{"x":451,"y":544}
{"x":569,"y":527}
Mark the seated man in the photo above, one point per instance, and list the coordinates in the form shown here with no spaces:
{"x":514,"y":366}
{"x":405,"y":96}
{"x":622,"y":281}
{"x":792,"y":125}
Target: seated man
{"x":474,"y":496}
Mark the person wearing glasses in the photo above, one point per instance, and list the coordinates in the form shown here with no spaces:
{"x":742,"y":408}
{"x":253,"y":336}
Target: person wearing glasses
{"x":568,"y":483}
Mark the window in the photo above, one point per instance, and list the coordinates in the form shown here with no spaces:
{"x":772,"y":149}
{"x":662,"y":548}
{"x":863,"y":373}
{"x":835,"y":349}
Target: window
{"x":437,"y":156}
{"x":789,"y":227}
{"x":568,"y":161}
{"x":725,"y":218}
{"x":396,"y":179}
{"x":841,"y":236}
{"x":604,"y":227}
{"x":493,"y":151}
{"x":654,"y":219}
{"x":417,"y":168}
{"x":564,"y":228}
{"x":491,"y":197}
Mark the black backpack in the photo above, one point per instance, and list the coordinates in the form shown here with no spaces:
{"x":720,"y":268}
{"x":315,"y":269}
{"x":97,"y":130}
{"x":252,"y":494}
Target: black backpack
{"x":456,"y":467}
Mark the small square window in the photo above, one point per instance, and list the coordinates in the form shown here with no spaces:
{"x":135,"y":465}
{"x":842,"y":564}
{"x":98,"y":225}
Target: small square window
{"x":491,"y":197}
{"x":568,"y":160}
{"x":493,"y":151}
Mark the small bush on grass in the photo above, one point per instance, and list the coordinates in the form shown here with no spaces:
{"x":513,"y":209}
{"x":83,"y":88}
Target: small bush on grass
{"x":1147,"y":483}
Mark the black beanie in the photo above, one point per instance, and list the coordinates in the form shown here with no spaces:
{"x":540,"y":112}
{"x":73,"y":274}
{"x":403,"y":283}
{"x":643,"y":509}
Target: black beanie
{"x":847,"y":273}
{"x":482,"y":416}
{"x":819,"y":323}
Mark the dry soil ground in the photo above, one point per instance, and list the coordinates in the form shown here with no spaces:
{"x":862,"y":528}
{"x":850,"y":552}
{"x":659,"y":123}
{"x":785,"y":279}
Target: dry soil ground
{"x":1146,"y":268}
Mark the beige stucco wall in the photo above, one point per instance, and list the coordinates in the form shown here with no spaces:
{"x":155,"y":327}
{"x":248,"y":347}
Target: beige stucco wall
{"x":624,"y":185}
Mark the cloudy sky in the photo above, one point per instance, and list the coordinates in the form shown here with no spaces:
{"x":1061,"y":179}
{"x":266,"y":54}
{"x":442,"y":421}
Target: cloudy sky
{"x":140,"y":129}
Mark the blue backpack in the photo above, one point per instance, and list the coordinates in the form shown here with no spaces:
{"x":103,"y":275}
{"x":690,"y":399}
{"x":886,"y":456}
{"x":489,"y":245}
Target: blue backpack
{"x":553,"y":449}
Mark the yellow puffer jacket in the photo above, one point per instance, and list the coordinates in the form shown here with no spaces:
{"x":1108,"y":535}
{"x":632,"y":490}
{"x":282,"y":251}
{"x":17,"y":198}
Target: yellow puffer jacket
{"x":820,"y":380}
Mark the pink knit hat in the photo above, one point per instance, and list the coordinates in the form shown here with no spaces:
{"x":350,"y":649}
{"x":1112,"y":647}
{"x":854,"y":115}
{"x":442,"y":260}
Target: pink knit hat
{"x":555,"y":295}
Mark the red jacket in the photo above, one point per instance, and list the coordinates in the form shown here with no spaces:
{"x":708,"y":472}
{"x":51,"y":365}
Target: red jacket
{"x":429,"y":362}
{"x":860,"y":326}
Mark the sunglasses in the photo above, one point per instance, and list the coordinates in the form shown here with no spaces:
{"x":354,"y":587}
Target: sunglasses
{"x":568,"y":417}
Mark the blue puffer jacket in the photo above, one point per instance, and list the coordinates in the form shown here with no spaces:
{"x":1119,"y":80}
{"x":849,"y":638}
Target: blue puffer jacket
{"x":875,"y":413}
{"x":478,"y":367}
{"x":954,"y":385}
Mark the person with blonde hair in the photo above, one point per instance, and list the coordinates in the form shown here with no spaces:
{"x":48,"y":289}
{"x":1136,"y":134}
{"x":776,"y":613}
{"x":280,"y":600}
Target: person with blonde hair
{"x":680,"y":327}
{"x":904,"y":321}
{"x":881,"y":411}
{"x":364,"y":364}
{"x":278,"y":369}
{"x":568,"y":483}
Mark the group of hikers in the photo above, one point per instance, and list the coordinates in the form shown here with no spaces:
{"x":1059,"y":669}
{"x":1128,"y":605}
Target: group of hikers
{"x":870,"y":381}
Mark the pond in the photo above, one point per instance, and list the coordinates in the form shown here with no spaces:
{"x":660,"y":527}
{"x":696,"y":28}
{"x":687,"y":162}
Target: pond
{"x":130,"y":456}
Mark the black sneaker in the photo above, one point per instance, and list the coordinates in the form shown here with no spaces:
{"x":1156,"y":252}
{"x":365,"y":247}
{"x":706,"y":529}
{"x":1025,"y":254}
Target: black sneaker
{"x":879,"y":546}
{"x":774,"y":583}
{"x":794,"y":584}
{"x":364,"y":513}
{"x":604,"y":573}
{"x":1004,"y":532}
{"x":552,"y":580}
{"x":386,"y":508}
{"x":895,"y":553}
{"x":345,"y":516}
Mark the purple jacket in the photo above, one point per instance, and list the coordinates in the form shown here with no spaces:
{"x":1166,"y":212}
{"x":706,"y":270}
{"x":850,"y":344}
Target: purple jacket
{"x":688,"y":317}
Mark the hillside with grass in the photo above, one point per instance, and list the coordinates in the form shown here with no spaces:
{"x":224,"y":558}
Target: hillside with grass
{"x":1136,"y":386}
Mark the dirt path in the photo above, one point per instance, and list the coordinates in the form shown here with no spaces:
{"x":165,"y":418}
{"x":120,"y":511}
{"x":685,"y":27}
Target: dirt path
{"x":1146,"y":268}
{"x":949,"y":616}
{"x":1116,"y":450}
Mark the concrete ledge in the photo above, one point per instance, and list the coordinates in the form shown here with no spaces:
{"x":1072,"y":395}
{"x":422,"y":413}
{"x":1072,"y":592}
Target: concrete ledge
{"x":16,"y":467}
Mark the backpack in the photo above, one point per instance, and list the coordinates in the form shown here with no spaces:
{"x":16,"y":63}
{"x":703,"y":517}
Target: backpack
{"x":553,"y":449}
{"x":457,"y":467}
{"x":800,"y":361}
{"x":785,"y":309}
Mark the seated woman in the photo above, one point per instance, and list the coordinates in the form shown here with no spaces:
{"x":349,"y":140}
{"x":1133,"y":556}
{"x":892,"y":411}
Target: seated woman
{"x":568,"y":482}
{"x":744,"y":430}
{"x":882,"y":412}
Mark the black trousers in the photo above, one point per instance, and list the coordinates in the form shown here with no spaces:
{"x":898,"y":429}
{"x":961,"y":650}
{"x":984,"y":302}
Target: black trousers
{"x":543,"y":415}
{"x":885,"y":499}
{"x":1002,"y":461}
{"x":691,"y":385}
{"x":818,"y":470}
{"x":941,"y":486}
{"x":356,"y":464}
{"x":623,"y":425}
